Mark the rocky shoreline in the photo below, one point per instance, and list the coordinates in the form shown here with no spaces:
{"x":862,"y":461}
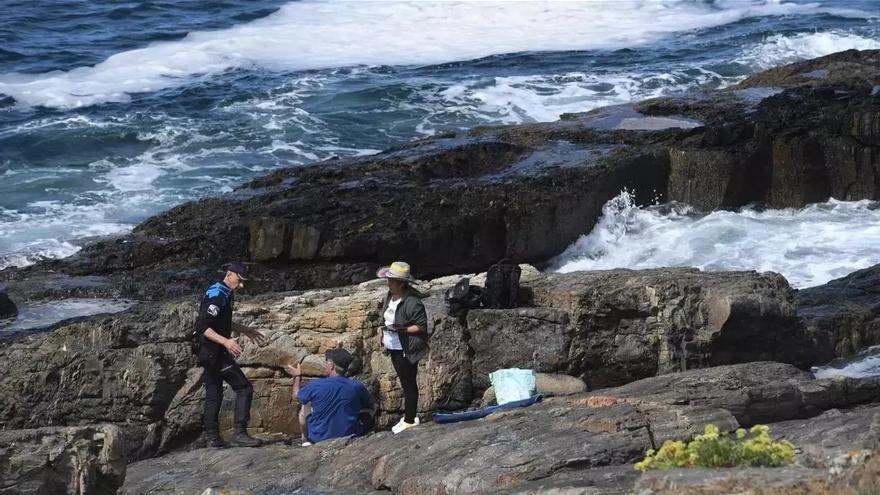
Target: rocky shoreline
{"x":668,"y":338}
{"x":660,"y":352}
{"x":458,"y":202}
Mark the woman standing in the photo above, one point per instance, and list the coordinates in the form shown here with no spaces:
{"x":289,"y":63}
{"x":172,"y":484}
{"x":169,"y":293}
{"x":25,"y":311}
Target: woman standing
{"x":405,"y":335}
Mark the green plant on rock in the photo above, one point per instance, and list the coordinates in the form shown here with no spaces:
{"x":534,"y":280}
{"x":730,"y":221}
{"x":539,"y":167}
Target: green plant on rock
{"x":713,"y":449}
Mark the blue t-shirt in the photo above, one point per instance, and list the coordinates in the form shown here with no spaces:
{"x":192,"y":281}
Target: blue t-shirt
{"x":336,"y":402}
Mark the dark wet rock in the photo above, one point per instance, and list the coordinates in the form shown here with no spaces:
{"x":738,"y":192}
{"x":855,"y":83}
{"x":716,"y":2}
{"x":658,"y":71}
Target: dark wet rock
{"x":54,"y":286}
{"x":845,"y":311}
{"x":782,"y":137}
{"x":847,"y":67}
{"x":268,"y":240}
{"x":325,"y":231}
{"x":747,"y":392}
{"x":88,"y":460}
{"x":121,"y":369}
{"x":7,"y":307}
{"x":702,"y":178}
{"x":627,"y":117}
{"x":48,"y":315}
{"x":461,"y":201}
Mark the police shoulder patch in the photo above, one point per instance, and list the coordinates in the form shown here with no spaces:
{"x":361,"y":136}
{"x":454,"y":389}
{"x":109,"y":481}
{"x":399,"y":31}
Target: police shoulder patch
{"x":213,"y":310}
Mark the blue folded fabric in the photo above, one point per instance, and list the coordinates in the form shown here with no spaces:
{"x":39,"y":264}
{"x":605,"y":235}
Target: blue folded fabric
{"x":482,"y":413}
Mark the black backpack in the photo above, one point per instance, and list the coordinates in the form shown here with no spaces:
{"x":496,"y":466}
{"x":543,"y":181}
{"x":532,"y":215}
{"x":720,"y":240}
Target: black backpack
{"x":502,"y":285}
{"x":462,"y":296}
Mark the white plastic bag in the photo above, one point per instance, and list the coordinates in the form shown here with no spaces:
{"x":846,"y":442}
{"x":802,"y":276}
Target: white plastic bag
{"x":513,"y":384}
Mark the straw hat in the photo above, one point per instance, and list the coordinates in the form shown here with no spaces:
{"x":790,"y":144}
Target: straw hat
{"x":398,"y":270}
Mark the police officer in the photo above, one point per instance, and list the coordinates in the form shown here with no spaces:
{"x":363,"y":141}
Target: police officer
{"x":217,"y":352}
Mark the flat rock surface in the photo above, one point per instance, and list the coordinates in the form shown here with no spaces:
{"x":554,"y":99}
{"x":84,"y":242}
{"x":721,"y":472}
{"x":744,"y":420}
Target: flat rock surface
{"x":503,"y":450}
{"x":579,"y":444}
{"x":825,"y":438}
{"x":778,"y":481}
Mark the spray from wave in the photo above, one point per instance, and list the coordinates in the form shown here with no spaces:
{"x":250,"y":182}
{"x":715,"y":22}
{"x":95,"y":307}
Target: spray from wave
{"x":866,"y":363}
{"x":781,"y":49}
{"x":313,"y":34}
{"x":809,"y":246}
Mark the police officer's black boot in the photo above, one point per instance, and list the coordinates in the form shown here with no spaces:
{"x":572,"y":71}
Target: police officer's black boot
{"x":213,"y":440}
{"x":242,"y":439}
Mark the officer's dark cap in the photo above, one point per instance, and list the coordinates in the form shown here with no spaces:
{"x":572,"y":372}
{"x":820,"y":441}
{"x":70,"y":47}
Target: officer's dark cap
{"x":238,"y":268}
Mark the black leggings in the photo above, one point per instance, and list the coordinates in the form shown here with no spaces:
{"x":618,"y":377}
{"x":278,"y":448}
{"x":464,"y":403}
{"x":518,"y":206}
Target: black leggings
{"x":406,"y":372}
{"x":226,"y":370}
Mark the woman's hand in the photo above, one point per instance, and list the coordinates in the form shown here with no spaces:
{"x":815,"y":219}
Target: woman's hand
{"x":380,"y":337}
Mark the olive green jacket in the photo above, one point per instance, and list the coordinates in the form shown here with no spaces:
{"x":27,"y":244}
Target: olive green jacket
{"x":411,"y":311}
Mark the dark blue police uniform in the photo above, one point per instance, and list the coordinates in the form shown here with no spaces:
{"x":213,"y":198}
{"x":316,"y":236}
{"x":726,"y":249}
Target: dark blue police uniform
{"x":215,"y":312}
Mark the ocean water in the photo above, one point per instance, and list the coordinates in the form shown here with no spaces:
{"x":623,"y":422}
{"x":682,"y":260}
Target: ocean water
{"x":111,"y":111}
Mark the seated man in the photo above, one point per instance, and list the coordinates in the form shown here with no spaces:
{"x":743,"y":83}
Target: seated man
{"x":335,"y":406}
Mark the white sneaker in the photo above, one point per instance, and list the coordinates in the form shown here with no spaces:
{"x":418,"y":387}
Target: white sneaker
{"x":403,"y":425}
{"x":306,"y":444}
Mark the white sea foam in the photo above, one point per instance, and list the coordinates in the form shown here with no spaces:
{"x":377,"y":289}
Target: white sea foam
{"x":49,"y":229}
{"x":780,"y":49}
{"x":313,"y":34}
{"x":137,"y":177}
{"x":809,"y":246}
{"x":864,"y":364}
{"x":29,"y":252}
{"x":34,"y":316}
{"x":543,"y":98}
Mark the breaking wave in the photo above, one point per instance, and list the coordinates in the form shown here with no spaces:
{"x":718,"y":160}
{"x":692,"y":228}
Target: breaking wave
{"x":809,"y":246}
